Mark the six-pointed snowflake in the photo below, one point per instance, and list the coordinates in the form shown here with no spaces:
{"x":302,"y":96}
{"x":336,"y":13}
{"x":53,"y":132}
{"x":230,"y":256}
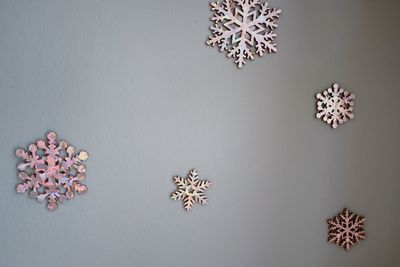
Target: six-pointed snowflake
{"x":243,"y":28}
{"x":346,"y":229}
{"x":190,"y":190}
{"x":51,"y":171}
{"x":335,"y":105}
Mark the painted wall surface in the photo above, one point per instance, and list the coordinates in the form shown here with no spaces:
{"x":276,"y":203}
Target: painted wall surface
{"x":133,"y":83}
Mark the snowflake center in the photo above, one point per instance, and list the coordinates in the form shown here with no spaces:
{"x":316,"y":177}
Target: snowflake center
{"x":244,"y":30}
{"x":189,"y":190}
{"x":336,"y":105}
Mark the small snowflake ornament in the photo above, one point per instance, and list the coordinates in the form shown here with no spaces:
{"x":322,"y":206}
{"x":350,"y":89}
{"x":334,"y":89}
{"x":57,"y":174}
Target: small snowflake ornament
{"x":190,"y":190}
{"x":335,"y":105}
{"x":243,"y":28}
{"x":51,"y":171}
{"x":346,"y":229}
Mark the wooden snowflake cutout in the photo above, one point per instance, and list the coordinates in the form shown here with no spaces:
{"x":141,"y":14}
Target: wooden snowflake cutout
{"x":190,"y":190}
{"x":346,"y":229}
{"x":243,"y":28}
{"x":335,"y":105}
{"x":51,"y":171}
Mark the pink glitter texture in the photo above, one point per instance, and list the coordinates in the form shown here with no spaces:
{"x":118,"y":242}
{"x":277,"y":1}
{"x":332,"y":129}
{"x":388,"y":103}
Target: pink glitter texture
{"x":51,"y":171}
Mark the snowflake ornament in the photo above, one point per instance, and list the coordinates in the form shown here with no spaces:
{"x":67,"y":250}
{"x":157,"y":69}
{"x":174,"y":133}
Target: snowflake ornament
{"x":52,"y":171}
{"x":190,"y":190}
{"x":243,"y":28}
{"x":346,"y":229}
{"x":335,"y":105}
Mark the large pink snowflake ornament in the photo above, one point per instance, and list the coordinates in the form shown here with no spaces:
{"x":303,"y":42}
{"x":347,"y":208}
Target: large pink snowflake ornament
{"x":52,"y":171}
{"x":243,"y":28}
{"x":346,"y":229}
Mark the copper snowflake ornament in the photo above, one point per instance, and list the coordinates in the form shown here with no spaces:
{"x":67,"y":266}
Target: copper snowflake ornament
{"x":346,"y":229}
{"x":52,"y":171}
{"x":335,"y":105}
{"x":190,"y":190}
{"x":243,"y":28}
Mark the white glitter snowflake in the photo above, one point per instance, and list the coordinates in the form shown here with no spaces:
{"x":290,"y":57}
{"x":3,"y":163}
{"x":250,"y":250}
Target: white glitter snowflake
{"x":346,"y":229}
{"x":51,"y":171}
{"x":190,"y":190}
{"x":243,"y":28}
{"x":335,"y":105}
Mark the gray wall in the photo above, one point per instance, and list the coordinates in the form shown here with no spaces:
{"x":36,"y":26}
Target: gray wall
{"x":133,"y":83}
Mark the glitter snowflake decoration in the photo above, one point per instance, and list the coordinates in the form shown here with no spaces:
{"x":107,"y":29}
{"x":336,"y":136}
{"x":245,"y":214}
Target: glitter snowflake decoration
{"x":190,"y":190}
{"x":243,"y":28}
{"x":51,"y":171}
{"x":346,"y":229}
{"x":335,"y":105}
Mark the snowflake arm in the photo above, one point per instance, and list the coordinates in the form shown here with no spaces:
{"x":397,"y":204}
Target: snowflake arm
{"x":264,"y":40}
{"x":268,"y":16}
{"x":181,"y":185}
{"x":223,"y":13}
{"x":200,"y":196}
{"x":188,"y":202}
{"x":241,"y":52}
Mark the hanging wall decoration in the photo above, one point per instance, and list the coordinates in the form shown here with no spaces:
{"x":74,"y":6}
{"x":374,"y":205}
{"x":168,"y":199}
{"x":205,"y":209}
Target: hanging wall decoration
{"x":335,"y":105}
{"x":190,"y":190}
{"x":243,"y":28}
{"x":346,"y":229}
{"x":52,"y":171}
